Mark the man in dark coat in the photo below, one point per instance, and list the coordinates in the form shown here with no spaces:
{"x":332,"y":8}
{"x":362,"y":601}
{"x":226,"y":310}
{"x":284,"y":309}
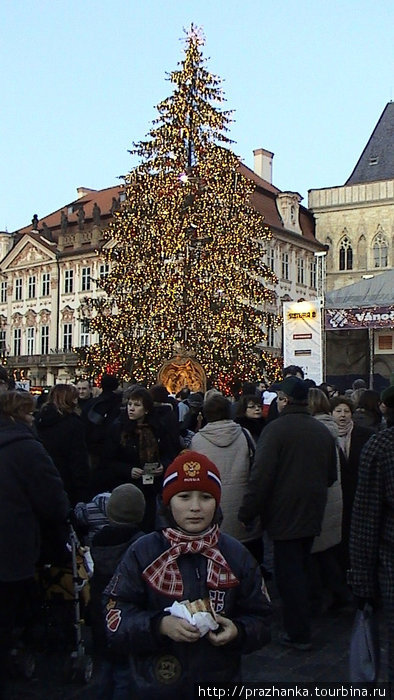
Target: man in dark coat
{"x":295,"y":462}
{"x":84,"y":395}
{"x":31,"y":494}
{"x":101,"y":413}
{"x":63,"y":437}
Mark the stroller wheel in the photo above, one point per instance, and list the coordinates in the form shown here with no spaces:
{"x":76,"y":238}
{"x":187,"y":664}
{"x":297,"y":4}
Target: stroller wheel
{"x":70,"y":669}
{"x":22,"y":663}
{"x":86,"y":670}
{"x":27,"y":665}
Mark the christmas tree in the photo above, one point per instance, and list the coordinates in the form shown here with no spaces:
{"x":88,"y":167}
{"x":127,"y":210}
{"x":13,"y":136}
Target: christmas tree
{"x":185,"y":249}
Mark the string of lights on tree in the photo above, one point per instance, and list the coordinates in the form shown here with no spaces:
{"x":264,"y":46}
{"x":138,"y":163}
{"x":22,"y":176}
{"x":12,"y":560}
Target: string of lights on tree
{"x":185,"y":249}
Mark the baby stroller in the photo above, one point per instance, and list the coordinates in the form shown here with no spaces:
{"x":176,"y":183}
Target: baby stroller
{"x":65,"y":592}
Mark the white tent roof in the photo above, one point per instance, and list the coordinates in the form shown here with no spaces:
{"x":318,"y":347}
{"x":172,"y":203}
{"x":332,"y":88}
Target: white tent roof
{"x":377,"y":291}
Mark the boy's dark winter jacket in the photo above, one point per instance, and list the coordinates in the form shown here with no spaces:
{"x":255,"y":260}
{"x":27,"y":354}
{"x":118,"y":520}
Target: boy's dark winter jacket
{"x":107,"y":549}
{"x":160,"y":667}
{"x":31,"y":492}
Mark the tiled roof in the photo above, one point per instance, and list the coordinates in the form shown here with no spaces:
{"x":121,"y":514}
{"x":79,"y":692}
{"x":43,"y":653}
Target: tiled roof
{"x":103,"y":199}
{"x":264,"y":199}
{"x":377,"y":159}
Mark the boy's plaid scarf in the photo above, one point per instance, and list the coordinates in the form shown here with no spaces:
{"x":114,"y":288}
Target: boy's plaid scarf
{"x":163,"y":573}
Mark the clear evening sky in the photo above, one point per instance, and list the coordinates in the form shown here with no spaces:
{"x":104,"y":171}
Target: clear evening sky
{"x":307,"y":79}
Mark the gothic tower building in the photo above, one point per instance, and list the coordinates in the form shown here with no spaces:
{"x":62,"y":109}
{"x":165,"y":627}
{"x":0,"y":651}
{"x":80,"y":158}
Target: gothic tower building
{"x":356,"y":220}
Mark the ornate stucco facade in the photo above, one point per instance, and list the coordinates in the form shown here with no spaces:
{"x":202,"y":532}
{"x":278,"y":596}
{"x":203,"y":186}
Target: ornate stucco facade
{"x":47,"y":270}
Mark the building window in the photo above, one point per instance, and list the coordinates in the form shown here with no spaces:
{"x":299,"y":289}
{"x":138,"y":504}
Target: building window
{"x":44,"y":340}
{"x":17,"y":341}
{"x":3,"y":344}
{"x":285,"y":266}
{"x":3,"y":292}
{"x":312,"y":274}
{"x":104,"y":270}
{"x":67,"y":336}
{"x":30,"y":341}
{"x":270,"y":336}
{"x":300,"y":270}
{"x":85,"y":280}
{"x":380,"y":251}
{"x":31,"y":289}
{"x":46,"y":284}
{"x":18,"y":289}
{"x":85,"y":332}
{"x":345,"y":255}
{"x":68,"y":281}
{"x":271,"y":259}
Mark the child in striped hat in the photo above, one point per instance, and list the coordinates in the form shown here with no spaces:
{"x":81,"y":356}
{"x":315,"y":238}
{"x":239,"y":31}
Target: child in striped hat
{"x":188,"y":561}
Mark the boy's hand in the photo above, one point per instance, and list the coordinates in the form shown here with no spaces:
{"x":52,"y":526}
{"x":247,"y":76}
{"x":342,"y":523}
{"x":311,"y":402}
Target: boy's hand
{"x":136,"y":473}
{"x":179,"y":630}
{"x":227,"y":632}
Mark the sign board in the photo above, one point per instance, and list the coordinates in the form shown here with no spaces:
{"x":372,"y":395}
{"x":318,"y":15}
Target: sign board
{"x":23,"y":384}
{"x":346,"y":319}
{"x":302,"y":337}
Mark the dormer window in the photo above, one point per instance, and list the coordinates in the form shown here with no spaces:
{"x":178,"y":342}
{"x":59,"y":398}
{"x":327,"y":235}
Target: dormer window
{"x":374,"y":160}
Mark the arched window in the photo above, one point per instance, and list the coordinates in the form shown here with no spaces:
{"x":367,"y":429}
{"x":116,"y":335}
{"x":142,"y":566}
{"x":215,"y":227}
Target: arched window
{"x":380,"y":251}
{"x":345,"y":254}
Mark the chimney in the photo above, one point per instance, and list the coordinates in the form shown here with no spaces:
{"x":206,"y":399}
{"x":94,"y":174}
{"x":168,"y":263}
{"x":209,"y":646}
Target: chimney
{"x":263,"y":164}
{"x":81,"y":191}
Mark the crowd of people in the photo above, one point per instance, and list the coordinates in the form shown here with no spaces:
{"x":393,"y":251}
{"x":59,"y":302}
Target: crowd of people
{"x":186,"y":498}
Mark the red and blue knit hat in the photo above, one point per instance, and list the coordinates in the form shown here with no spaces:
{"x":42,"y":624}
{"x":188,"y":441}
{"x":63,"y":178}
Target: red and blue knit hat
{"x":191,"y":471}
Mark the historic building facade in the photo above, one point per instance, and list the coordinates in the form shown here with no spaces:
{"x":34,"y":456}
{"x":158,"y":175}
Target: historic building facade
{"x":49,"y":268}
{"x":293,"y":253}
{"x":356,"y":223}
{"x":356,"y":220}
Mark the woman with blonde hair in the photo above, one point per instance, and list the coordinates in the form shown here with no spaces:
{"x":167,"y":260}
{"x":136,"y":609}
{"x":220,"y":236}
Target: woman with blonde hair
{"x":62,"y":433}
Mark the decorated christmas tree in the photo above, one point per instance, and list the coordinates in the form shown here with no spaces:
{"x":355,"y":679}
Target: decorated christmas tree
{"x":185,"y":249}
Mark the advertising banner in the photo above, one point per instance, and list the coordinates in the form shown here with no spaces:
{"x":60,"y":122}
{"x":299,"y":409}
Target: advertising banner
{"x":346,"y":319}
{"x":23,"y":384}
{"x":302,"y":328}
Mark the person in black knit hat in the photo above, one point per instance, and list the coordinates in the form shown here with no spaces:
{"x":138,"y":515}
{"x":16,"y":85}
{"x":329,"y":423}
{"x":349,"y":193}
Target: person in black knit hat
{"x":125,"y":511}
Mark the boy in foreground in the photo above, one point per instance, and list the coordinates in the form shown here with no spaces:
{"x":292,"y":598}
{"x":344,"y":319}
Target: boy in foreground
{"x":191,"y":560}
